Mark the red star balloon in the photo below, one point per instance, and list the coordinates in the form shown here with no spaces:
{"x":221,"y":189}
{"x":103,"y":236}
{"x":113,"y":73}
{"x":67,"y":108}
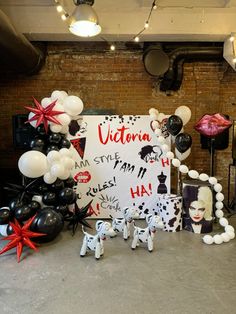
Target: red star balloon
{"x":43,"y":115}
{"x":20,"y":237}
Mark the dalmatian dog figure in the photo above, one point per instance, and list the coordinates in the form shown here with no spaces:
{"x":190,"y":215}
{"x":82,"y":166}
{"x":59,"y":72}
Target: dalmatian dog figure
{"x":146,"y":235}
{"x":95,"y":242}
{"x":123,"y":224}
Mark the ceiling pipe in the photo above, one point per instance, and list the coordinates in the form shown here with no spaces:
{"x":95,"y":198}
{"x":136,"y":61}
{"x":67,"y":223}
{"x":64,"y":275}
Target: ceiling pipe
{"x":16,"y":52}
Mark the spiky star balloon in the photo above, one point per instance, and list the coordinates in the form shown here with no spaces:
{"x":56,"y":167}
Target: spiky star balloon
{"x":21,"y":237}
{"x":43,"y":115}
{"x":79,"y":216}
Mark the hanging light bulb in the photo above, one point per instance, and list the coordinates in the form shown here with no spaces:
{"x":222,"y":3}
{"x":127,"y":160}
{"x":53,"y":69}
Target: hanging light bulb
{"x":59,"y":8}
{"x":154,"y":6}
{"x":64,"y":17}
{"x":84,"y":20}
{"x":136,"y":39}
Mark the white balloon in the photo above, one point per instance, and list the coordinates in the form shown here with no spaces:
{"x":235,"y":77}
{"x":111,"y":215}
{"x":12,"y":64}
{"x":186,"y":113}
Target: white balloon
{"x":64,"y":129}
{"x":184,"y":113}
{"x":57,"y":169}
{"x":223,"y":222}
{"x":33,"y":123}
{"x":182,"y":156}
{"x":193,"y":174}
{"x":58,"y":107}
{"x":229,"y":228}
{"x":212,"y":180}
{"x":46,"y":101}
{"x":53,"y":156}
{"x":3,"y":230}
{"x":155,"y":124}
{"x":208,"y":239}
{"x":183,"y":169}
{"x":33,"y":164}
{"x":165,"y":148}
{"x":65,"y":175}
{"x":161,"y":116}
{"x":59,"y":95}
{"x":158,"y":132}
{"x":225,"y":237}
{"x":65,"y":152}
{"x":176,"y":163}
{"x":231,"y":235}
{"x":218,"y":187}
{"x":219,"y":197}
{"x":68,"y":162}
{"x":219,"y":205}
{"x":219,"y":213}
{"x":153,"y":116}
{"x":217,"y":239}
{"x":55,"y":128}
{"x":49,"y":178}
{"x":64,"y":119}
{"x":73,"y":105}
{"x":153,"y":111}
{"x":203,"y":177}
{"x":170,"y":155}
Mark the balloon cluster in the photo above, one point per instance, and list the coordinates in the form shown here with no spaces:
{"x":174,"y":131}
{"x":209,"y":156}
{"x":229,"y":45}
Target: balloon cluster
{"x":184,"y":113}
{"x":174,"y":125}
{"x":48,"y":199}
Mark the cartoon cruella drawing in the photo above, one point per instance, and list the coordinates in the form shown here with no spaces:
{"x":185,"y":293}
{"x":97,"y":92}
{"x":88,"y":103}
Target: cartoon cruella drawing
{"x":150,"y":154}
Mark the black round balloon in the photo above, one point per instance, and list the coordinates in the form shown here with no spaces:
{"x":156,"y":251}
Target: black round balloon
{"x":57,"y":185}
{"x":183,"y":142}
{"x":43,"y":188}
{"x":37,"y":143}
{"x":174,"y":125}
{"x":65,"y":143}
{"x":50,"y":198}
{"x":4,"y":216}
{"x":16,"y":203}
{"x":51,"y":147}
{"x":62,"y":209}
{"x":24,"y":213}
{"x":41,"y":130}
{"x":67,"y":196}
{"x":54,"y":138}
{"x":9,"y":230}
{"x":35,"y":206}
{"x":70,"y":182}
{"x":48,"y":222}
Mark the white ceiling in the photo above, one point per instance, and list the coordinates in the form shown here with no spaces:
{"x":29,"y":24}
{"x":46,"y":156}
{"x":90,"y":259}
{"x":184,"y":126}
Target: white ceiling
{"x":174,"y":20}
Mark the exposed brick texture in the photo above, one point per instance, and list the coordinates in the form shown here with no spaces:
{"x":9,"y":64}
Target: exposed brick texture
{"x":117,"y":80}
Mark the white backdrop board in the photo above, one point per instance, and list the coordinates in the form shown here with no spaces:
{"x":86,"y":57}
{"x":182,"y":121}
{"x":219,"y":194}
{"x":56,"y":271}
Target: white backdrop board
{"x":118,"y":163}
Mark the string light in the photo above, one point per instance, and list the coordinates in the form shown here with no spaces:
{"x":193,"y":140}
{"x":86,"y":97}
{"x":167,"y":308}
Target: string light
{"x":146,"y":25}
{"x":136,"y":39}
{"x":113,"y":47}
{"x":231,"y":38}
{"x":61,"y":10}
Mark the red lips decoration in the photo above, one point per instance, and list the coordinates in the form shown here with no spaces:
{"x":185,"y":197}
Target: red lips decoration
{"x":212,"y":125}
{"x":82,"y":177}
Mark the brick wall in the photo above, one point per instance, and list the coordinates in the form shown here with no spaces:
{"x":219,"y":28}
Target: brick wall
{"x":118,"y":81}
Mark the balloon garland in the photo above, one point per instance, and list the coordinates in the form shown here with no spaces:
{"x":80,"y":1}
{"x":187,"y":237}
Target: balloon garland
{"x":182,"y":151}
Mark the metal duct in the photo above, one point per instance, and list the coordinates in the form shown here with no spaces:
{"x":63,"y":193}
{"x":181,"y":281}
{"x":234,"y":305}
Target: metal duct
{"x":172,"y":79}
{"x":16,"y":52}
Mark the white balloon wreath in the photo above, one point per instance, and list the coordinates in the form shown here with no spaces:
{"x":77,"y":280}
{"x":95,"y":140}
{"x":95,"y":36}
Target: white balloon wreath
{"x":185,"y":114}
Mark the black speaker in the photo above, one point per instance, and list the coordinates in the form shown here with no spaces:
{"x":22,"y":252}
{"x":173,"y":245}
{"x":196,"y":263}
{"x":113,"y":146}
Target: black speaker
{"x":23,"y":132}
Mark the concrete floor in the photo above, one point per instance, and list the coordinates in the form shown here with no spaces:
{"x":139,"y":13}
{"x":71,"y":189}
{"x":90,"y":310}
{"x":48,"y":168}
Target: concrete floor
{"x":181,"y":275}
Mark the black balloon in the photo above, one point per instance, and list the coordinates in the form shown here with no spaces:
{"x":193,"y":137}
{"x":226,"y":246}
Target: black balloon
{"x":174,"y":125}
{"x":67,"y":196}
{"x":50,"y":148}
{"x":70,"y":182}
{"x":62,"y":209}
{"x":16,"y":203}
{"x":35,"y":206}
{"x":4,"y":216}
{"x":57,"y":185}
{"x":183,"y":142}
{"x":48,"y":222}
{"x":50,"y":198}
{"x":24,"y":213}
{"x":41,"y":130}
{"x":54,"y":138}
{"x":43,"y":188}
{"x":65,"y":143}
{"x":37,"y":144}
{"x":9,"y":230}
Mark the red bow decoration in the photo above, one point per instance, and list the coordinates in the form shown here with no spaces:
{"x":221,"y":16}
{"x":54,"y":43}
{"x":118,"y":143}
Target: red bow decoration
{"x":20,"y":237}
{"x":212,"y":125}
{"x":43,"y":115}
